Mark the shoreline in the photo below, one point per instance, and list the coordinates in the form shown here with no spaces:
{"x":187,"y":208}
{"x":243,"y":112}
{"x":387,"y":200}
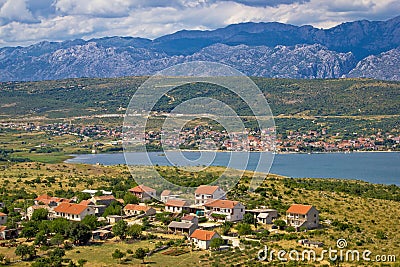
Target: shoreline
{"x":225,"y":151}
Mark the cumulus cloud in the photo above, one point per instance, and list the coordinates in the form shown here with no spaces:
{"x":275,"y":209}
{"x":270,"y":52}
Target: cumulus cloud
{"x":15,"y":10}
{"x":273,"y":3}
{"x":69,"y":19}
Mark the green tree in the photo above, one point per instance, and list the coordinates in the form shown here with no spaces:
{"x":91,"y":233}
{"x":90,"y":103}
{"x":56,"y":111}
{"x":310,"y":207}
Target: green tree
{"x":118,"y":254}
{"x":216,"y":243}
{"x":249,"y":218}
{"x":290,"y":229}
{"x":41,"y":239}
{"x":244,"y":229}
{"x":115,"y":208}
{"x":130,"y":198}
{"x":140,"y":253}
{"x":226,"y":227}
{"x":91,"y":222}
{"x":45,"y":262}
{"x":81,"y":262}
{"x":82,"y":196}
{"x":60,"y":226}
{"x":28,"y":232}
{"x":135,"y":231}
{"x":280,"y":223}
{"x":79,"y":233}
{"x":57,"y":240}
{"x":25,"y":252}
{"x":57,"y":252}
{"x":119,"y":229}
{"x":39,"y":215}
{"x":145,"y":223}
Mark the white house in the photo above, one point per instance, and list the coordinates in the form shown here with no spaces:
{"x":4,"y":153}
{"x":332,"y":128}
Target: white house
{"x":205,"y":193}
{"x":133,"y":209}
{"x":177,"y":205}
{"x":202,"y":238}
{"x":73,"y":212}
{"x":225,"y":210}
{"x":167,"y":194}
{"x":302,"y":216}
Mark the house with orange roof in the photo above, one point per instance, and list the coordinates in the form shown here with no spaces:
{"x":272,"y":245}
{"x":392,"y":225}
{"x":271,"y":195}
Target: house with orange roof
{"x":3,"y":218}
{"x":177,"y":205}
{"x":45,"y":199}
{"x":204,"y":193}
{"x":133,"y":209}
{"x":202,"y":238}
{"x":143,"y":192}
{"x":224,"y":210}
{"x":302,"y":216}
{"x":73,"y":212}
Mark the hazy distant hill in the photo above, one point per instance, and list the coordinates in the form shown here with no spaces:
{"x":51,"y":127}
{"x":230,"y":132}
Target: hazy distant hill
{"x":353,"y":49}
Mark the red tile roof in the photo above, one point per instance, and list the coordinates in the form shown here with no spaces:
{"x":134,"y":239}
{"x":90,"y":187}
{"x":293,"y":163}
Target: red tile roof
{"x":46,"y":199}
{"x":105,"y":197}
{"x":221,"y":203}
{"x":86,"y":202}
{"x":136,"y":207}
{"x":299,"y":209}
{"x":70,"y":208}
{"x":141,"y":189}
{"x":176,"y":203}
{"x":203,"y":234}
{"x":188,"y":217}
{"x":206,"y":189}
{"x":2,"y":214}
{"x":165,"y":193}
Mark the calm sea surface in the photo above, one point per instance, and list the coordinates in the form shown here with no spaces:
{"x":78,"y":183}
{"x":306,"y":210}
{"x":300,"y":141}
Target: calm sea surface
{"x":380,"y":168}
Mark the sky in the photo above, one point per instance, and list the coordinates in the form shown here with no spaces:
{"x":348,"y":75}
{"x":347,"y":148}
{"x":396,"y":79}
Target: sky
{"x":24,"y":22}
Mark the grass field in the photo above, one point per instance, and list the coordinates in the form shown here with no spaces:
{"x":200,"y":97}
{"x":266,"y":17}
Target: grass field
{"x":99,"y":255}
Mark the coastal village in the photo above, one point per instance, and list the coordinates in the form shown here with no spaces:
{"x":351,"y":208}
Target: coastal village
{"x":194,"y":221}
{"x":294,"y":141}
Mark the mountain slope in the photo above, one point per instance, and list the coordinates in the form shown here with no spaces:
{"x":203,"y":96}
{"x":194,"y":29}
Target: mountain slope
{"x":354,"y":49}
{"x":383,"y":66}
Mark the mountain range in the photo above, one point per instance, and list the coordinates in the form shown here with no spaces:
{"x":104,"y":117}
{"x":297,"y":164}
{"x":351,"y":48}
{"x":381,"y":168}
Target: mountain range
{"x":353,"y":49}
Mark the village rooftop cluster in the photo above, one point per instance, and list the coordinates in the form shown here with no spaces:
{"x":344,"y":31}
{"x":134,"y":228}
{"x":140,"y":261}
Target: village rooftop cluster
{"x":196,"y":221}
{"x":292,"y":141}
